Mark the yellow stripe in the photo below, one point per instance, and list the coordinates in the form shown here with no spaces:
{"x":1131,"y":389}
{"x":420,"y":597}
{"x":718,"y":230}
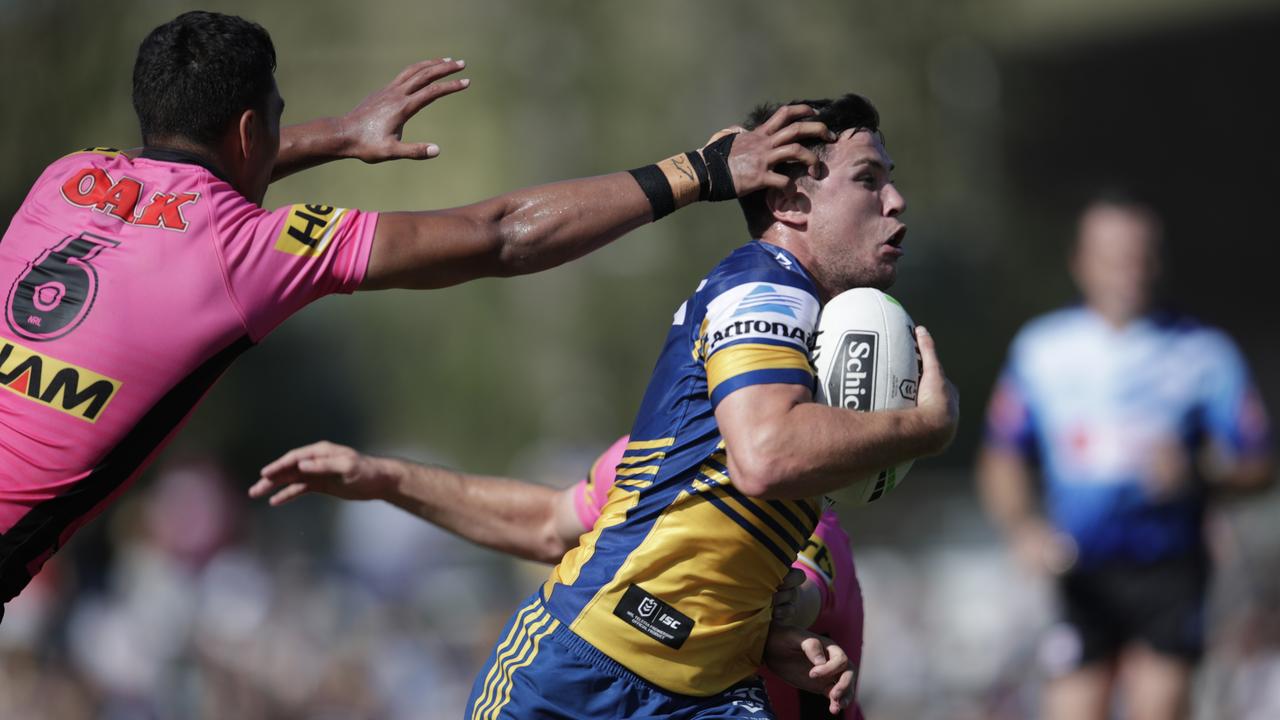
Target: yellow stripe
{"x":651,"y":444}
{"x":738,"y":359}
{"x":714,"y":474}
{"x":503,"y":685}
{"x":500,"y":653}
{"x":491,"y":691}
{"x":629,"y":461}
{"x":642,"y":470}
{"x":702,"y":485}
{"x":633,"y":483}
{"x":511,"y":671}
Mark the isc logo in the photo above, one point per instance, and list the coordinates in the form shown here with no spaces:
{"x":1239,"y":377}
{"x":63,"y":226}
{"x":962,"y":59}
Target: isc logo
{"x":852,"y":378}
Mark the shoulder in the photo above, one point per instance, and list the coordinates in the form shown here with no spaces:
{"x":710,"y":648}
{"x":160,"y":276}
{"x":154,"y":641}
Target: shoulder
{"x":752,"y":281}
{"x":1211,"y":344}
{"x":757,"y":262}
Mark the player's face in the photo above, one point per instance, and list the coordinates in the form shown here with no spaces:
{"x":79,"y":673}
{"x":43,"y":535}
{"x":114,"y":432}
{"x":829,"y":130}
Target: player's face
{"x":853,"y":226}
{"x":264,"y":148}
{"x":1116,"y":261}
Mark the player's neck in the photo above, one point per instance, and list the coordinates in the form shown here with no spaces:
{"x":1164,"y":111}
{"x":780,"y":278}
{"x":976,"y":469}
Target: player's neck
{"x":783,"y":237}
{"x":180,"y":146}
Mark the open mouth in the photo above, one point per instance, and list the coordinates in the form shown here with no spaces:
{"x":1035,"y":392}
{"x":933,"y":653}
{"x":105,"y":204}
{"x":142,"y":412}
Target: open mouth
{"x":895,"y":240}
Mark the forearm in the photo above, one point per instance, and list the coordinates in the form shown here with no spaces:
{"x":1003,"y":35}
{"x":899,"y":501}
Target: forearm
{"x":503,"y":514}
{"x":814,"y":449}
{"x":1243,"y":476}
{"x":513,"y":234}
{"x":1005,"y":487}
{"x":308,"y":145}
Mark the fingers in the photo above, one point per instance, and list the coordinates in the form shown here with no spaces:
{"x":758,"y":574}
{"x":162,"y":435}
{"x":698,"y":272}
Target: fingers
{"x":430,"y":74}
{"x":416,"y":151}
{"x":792,"y":580}
{"x":433,"y":92}
{"x":811,"y":130}
{"x":928,"y":352}
{"x":291,"y":492}
{"x":841,"y":694}
{"x":290,"y":459}
{"x":812,"y":648}
{"x":836,"y":662}
{"x":784,"y":116}
{"x":415,"y":68}
{"x":794,"y":153}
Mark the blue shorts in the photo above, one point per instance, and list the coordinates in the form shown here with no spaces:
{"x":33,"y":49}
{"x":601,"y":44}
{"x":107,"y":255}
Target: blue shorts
{"x":541,"y":669}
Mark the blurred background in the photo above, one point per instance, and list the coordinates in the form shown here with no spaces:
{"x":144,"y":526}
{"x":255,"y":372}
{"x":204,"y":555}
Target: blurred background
{"x":187,"y":600}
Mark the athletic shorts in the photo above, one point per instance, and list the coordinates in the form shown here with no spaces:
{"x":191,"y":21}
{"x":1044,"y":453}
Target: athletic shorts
{"x":1104,"y":609}
{"x":541,"y":669}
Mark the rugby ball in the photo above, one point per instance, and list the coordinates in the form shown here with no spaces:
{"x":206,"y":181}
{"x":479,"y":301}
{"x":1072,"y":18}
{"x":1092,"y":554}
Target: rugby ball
{"x":867,"y":360}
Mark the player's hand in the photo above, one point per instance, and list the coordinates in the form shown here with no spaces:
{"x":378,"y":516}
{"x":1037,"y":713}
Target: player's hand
{"x":812,"y":663}
{"x":756,"y":154}
{"x":373,"y":131}
{"x":797,"y":601}
{"x":327,"y":468}
{"x":938,"y":399}
{"x":1042,"y":549}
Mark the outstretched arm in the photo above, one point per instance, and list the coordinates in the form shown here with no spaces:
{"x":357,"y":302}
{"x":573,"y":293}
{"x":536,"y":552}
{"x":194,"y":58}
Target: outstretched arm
{"x":544,"y":226}
{"x":373,"y":131}
{"x":516,"y":517}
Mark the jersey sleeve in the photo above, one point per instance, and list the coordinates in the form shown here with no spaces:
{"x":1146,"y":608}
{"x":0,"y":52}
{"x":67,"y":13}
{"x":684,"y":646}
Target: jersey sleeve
{"x":1010,"y":424}
{"x":1234,"y":414}
{"x":592,"y":492}
{"x":826,"y":558}
{"x":757,"y":333}
{"x":278,"y":262}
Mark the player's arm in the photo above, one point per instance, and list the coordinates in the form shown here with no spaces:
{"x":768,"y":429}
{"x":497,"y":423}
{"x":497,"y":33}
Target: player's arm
{"x":516,"y":517}
{"x":373,"y":131}
{"x":544,"y":226}
{"x":1007,"y":490}
{"x":781,"y":444}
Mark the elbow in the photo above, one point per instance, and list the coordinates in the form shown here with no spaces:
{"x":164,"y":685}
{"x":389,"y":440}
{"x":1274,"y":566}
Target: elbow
{"x":763,"y":467}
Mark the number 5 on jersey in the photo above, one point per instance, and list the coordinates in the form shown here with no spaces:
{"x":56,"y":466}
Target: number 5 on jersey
{"x":57,"y":290}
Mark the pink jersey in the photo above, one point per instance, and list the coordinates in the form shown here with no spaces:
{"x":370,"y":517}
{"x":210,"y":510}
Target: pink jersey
{"x":129,"y":286}
{"x":827,"y":559}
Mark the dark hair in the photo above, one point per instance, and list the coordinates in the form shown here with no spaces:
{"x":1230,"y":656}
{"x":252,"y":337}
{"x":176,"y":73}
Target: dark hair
{"x":197,"y":73}
{"x":848,"y":112}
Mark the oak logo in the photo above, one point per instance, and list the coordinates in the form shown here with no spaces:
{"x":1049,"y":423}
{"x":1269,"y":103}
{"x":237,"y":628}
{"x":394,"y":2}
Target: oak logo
{"x":308,"y":229}
{"x":92,"y":187}
{"x":56,"y":384}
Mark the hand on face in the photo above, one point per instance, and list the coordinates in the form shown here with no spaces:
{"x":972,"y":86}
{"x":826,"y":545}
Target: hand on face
{"x":757,"y":154}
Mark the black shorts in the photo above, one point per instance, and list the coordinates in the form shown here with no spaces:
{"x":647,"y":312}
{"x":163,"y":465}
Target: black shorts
{"x":1160,"y":604}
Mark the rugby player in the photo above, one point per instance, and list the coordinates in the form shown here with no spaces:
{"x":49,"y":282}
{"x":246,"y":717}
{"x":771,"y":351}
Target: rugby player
{"x":133,"y":280}
{"x":1131,"y":415}
{"x":663,"y":609}
{"x":540,"y":523}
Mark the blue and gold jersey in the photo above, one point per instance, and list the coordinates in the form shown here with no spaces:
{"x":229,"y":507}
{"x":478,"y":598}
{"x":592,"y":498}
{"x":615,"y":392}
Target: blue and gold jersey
{"x":675,"y":579}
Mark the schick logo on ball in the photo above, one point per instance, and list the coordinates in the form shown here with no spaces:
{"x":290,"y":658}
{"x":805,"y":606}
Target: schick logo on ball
{"x":853,"y":374}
